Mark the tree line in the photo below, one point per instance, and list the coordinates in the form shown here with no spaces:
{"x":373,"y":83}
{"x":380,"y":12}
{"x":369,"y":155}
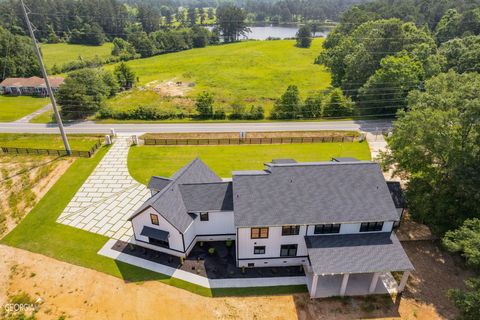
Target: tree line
{"x":418,"y":60}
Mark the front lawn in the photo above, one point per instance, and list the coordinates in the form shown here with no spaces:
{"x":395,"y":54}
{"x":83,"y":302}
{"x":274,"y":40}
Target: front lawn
{"x":47,"y":141}
{"x":145,"y":161}
{"x":16,"y":107}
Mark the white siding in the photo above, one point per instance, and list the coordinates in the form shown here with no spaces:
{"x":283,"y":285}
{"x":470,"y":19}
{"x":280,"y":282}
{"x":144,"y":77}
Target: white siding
{"x":143,"y":219}
{"x":219,"y":226}
{"x":272,"y":246}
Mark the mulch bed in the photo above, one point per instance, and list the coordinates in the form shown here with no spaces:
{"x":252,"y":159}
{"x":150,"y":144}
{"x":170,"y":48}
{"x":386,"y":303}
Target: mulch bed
{"x":219,"y":265}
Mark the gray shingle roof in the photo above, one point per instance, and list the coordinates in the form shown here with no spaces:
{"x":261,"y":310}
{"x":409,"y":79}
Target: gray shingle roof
{"x":309,"y":193}
{"x":397,"y":194}
{"x":357,"y":253}
{"x":169,"y":202}
{"x":158,"y":183}
{"x":207,"y":196}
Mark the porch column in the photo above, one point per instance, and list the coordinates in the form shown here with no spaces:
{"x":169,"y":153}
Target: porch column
{"x":403,"y":281}
{"x":313,"y":291}
{"x":344,"y":284}
{"x":374,"y":282}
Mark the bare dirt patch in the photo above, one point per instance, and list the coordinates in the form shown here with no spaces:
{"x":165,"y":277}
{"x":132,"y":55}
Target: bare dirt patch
{"x":81,"y":293}
{"x":170,"y":88}
{"x":23,"y":182}
{"x":235,"y":135}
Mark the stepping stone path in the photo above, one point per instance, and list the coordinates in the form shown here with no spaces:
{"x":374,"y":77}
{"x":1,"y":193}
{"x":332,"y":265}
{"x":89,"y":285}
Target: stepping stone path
{"x":108,"y":197}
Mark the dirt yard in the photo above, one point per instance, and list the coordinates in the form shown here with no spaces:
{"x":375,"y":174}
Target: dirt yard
{"x":171,"y":88}
{"x":80,"y":293}
{"x":23,"y":182}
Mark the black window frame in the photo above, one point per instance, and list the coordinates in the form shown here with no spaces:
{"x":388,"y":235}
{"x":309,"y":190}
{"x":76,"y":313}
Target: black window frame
{"x":291,"y":250}
{"x":259,"y":233}
{"x":327,"y":228}
{"x":202,"y":216}
{"x":374,"y":226}
{"x":259,"y":250}
{"x":290,"y":230}
{"x":153,"y":217}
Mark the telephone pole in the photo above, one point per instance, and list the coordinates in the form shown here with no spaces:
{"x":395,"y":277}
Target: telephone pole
{"x":47,"y":81}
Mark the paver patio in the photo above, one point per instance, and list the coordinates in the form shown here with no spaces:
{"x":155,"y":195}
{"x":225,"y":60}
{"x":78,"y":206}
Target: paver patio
{"x":108,"y":197}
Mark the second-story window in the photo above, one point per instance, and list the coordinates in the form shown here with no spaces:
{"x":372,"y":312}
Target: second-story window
{"x":259,"y":233}
{"x":204,"y":216}
{"x":371,"y":226}
{"x":327,"y":228}
{"x":154,"y":219}
{"x":290,"y":230}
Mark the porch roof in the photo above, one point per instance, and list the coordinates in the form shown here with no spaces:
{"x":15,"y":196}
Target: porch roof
{"x":357,"y":253}
{"x":155,"y":233}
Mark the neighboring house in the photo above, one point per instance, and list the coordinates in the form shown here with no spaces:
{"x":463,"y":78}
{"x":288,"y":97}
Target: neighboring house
{"x":334,"y":218}
{"x":33,"y":86}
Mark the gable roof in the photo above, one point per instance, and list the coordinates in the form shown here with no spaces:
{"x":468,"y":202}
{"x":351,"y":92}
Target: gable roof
{"x":216,"y":196}
{"x":311,"y":193}
{"x":169,"y":202}
{"x":158,"y":183}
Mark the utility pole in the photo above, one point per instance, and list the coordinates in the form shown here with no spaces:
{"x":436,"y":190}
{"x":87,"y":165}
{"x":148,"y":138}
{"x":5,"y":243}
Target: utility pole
{"x":47,"y":81}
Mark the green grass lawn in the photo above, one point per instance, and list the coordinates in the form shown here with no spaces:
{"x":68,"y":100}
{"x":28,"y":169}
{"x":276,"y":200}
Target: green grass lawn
{"x":62,"y":53}
{"x":40,"y":233}
{"x":45,"y":117}
{"x":255,"y":72}
{"x":145,"y":161}
{"x":15,"y":107}
{"x":47,"y":141}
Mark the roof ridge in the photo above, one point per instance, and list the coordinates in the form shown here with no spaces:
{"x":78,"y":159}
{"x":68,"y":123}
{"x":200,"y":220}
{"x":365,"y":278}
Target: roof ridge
{"x":203,"y":183}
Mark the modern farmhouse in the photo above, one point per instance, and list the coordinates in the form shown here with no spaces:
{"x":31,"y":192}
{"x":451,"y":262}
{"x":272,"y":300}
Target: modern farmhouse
{"x":336,"y":219}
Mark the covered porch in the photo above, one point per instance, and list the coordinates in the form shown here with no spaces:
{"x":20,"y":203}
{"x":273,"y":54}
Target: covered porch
{"x":355,"y":264}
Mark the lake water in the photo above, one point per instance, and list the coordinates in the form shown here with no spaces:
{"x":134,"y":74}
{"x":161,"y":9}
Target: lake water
{"x":276,"y":31}
{"x":264,"y":32}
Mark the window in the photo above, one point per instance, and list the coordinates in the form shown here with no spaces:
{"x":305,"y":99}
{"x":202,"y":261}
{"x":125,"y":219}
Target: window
{"x":204,"y":216}
{"x":154,"y":219}
{"x":290,"y":230}
{"x":250,"y":265}
{"x":259,"y":233}
{"x":259,"y":250}
{"x":327,"y":228}
{"x":371,"y":226}
{"x":288,"y":250}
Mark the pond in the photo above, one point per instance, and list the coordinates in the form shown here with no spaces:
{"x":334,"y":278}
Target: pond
{"x":278,"y":31}
{"x":263,"y":32}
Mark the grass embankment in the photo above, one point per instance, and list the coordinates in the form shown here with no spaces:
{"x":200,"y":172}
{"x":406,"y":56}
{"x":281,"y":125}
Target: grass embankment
{"x":254,"y":72}
{"x":47,"y":141}
{"x":145,"y":161}
{"x":15,"y":107}
{"x":62,"y":53}
{"x":40,"y":233}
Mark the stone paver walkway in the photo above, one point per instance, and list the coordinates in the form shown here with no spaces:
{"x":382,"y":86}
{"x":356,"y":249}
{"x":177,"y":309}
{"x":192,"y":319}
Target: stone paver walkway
{"x":376,"y":143}
{"x":108,"y":197}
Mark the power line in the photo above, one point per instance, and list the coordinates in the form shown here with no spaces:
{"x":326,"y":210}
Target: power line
{"x":47,"y":81}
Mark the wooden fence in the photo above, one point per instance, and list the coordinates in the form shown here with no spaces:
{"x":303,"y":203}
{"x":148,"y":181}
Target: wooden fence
{"x":53,"y":152}
{"x":227,"y":141}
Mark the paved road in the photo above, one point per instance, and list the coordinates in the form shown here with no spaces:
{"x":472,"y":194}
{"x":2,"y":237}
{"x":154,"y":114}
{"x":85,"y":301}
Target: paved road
{"x":91,"y":127}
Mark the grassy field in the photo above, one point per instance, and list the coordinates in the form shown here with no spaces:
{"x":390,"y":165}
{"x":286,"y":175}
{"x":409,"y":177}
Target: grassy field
{"x":62,"y":53}
{"x":15,"y":107}
{"x":255,"y":72}
{"x":47,"y":141}
{"x":145,"y":161}
{"x":40,"y":233}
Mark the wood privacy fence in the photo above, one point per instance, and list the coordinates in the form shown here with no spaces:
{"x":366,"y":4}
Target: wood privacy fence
{"x":53,"y":152}
{"x":227,"y":141}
